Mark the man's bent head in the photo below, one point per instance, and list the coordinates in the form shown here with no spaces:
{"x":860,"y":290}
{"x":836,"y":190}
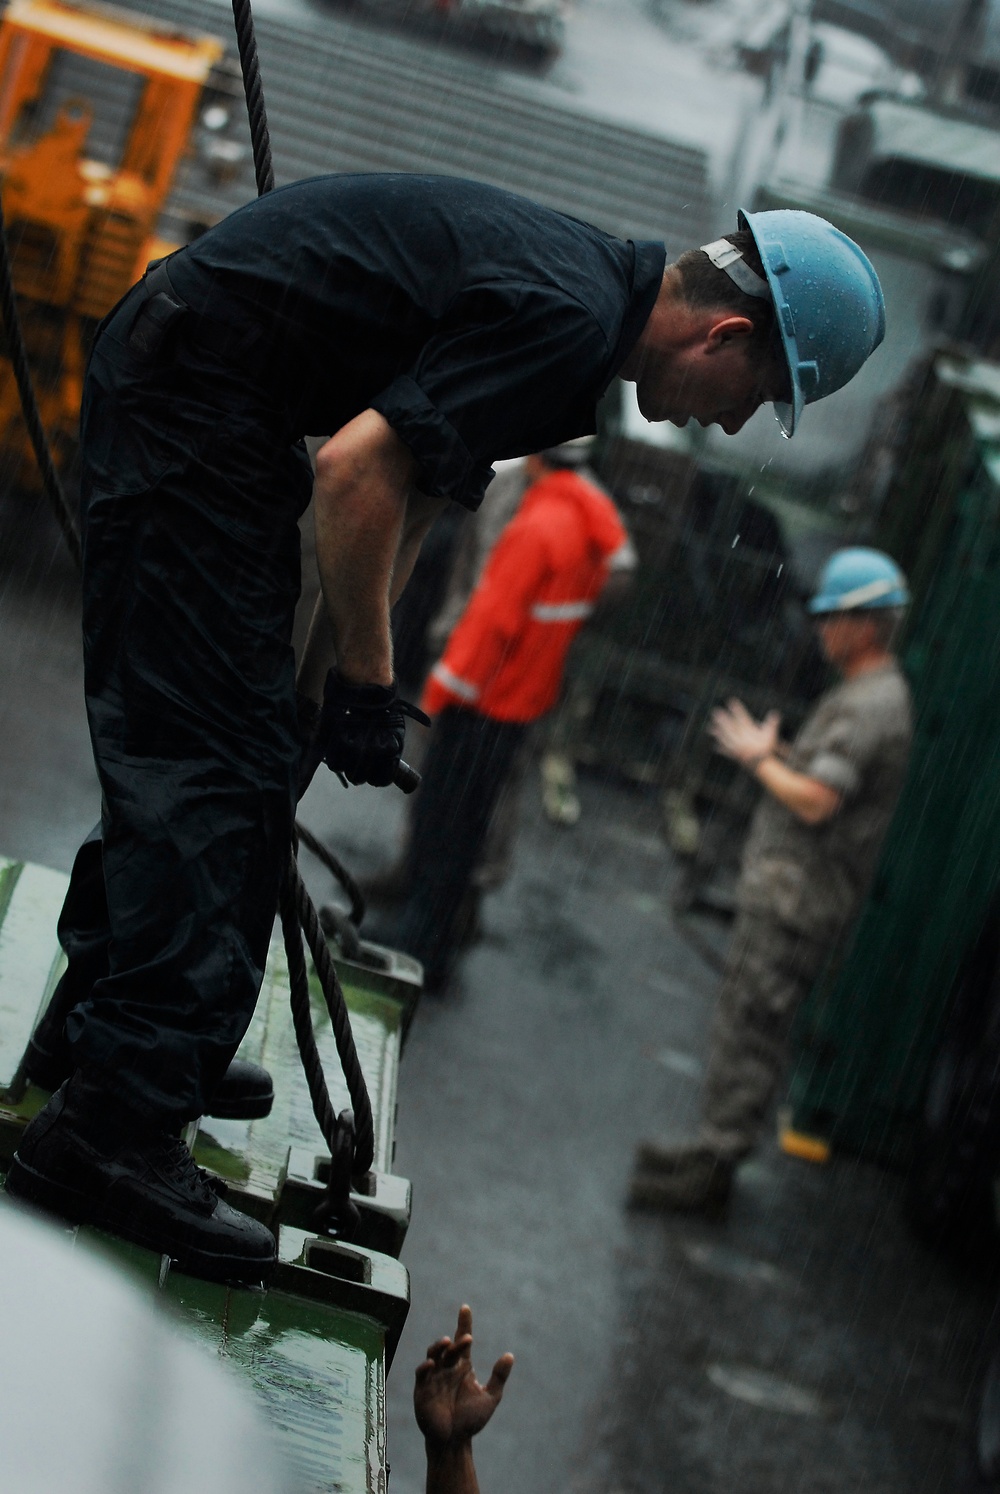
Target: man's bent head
{"x":724,"y":335}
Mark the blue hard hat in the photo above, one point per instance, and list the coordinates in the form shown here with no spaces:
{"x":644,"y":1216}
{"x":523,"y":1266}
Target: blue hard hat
{"x":859,"y":578}
{"x":827,"y":300}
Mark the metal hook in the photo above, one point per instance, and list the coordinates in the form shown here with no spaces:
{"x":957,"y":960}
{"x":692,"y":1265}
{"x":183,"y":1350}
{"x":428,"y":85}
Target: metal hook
{"x":336,"y":1213}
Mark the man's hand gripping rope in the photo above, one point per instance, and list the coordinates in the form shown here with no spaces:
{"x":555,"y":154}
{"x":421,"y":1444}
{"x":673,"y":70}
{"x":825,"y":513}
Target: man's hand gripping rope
{"x":359,"y":732}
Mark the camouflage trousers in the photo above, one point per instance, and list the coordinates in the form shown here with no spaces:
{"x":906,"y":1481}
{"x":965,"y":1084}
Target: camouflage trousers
{"x":769,"y":971}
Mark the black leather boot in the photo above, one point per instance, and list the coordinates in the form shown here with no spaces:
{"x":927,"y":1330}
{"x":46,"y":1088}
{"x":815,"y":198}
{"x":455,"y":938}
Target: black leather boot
{"x":245,"y":1093}
{"x":90,"y":1159}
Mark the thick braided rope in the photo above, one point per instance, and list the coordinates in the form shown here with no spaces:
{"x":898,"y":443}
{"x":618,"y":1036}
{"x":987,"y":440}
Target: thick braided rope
{"x":364,"y":1126}
{"x":337,"y":870}
{"x":301,"y":1011}
{"x":29,"y":404}
{"x":260,"y":138}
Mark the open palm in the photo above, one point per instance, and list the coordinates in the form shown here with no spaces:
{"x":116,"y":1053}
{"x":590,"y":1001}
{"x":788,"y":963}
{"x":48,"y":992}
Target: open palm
{"x":450,"y":1404}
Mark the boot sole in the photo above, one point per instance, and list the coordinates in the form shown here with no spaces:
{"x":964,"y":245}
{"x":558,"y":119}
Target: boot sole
{"x":71,"y":1205}
{"x":252,"y":1108}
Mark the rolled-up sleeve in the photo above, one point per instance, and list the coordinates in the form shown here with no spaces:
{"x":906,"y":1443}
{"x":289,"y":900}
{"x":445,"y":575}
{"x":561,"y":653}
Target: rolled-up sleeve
{"x":836,"y":771}
{"x":501,"y":378}
{"x":843,"y":751}
{"x":448,"y":468}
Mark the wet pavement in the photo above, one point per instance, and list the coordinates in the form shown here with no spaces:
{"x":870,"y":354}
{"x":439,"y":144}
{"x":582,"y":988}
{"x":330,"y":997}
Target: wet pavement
{"x":806,"y":1343}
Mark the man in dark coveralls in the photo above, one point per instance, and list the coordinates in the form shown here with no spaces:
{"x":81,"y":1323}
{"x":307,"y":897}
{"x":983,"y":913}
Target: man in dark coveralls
{"x":434,"y":326}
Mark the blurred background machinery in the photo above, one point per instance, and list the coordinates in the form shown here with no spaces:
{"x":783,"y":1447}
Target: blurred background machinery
{"x":96,"y":112}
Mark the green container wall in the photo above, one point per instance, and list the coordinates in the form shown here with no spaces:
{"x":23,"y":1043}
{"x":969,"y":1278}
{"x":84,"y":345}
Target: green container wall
{"x":868,"y":1032}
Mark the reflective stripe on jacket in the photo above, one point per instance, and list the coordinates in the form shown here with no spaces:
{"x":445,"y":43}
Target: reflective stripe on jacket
{"x":506,"y":655}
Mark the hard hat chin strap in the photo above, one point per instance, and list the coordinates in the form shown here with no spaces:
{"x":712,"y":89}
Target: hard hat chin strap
{"x":727,"y":258}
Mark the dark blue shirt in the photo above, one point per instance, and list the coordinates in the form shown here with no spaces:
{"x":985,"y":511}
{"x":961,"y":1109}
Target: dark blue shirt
{"x":479,"y":324}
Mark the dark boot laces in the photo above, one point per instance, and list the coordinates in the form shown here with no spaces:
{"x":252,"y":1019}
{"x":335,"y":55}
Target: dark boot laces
{"x":173,"y":1159}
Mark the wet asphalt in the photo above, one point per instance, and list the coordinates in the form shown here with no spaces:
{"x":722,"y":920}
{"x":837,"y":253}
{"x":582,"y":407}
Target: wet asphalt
{"x":807,"y":1343}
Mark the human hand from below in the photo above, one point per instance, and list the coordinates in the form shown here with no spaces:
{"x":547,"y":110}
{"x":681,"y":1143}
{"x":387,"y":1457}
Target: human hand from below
{"x":450,"y":1404}
{"x":738,"y":736}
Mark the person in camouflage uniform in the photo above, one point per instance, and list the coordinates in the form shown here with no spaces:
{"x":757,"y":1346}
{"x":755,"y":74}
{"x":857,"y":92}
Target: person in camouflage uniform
{"x":807,"y":865}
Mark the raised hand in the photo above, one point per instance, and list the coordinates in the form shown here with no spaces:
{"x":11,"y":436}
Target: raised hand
{"x":738,"y":736}
{"x":450,"y":1404}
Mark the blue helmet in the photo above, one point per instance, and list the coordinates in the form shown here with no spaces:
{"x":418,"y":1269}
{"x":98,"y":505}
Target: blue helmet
{"x":826,"y":297}
{"x":859,"y":578}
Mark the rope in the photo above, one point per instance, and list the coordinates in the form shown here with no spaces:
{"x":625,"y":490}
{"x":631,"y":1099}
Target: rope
{"x":337,"y":870}
{"x":260,"y":138}
{"x":29,"y":404}
{"x":301,"y":1012}
{"x":333,"y":993}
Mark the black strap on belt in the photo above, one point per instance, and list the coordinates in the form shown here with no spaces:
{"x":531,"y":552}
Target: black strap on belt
{"x":233,"y":337}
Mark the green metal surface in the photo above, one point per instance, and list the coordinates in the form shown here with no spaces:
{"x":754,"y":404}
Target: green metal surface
{"x":868,"y":1033}
{"x":319,"y":1371}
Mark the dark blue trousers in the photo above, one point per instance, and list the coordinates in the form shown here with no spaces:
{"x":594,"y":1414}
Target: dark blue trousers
{"x":191,"y":492}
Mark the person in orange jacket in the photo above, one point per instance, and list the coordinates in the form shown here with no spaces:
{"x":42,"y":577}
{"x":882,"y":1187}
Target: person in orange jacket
{"x":501,"y":670}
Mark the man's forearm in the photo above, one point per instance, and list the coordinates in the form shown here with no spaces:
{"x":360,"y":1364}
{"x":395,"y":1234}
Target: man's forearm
{"x":321,"y":653}
{"x":806,"y":797}
{"x":450,"y":1470}
{"x":363,"y":476}
{"x":358,"y":531}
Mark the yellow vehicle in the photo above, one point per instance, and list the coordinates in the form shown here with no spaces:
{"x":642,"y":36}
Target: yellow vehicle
{"x":96,"y":112}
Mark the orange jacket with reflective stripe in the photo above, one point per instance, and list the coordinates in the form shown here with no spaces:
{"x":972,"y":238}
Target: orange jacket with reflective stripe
{"x":506,"y":655}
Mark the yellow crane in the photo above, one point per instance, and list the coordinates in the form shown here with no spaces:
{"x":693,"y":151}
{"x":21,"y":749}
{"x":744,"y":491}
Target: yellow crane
{"x":83,"y":187}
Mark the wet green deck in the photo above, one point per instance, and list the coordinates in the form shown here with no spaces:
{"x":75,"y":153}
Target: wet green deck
{"x":317,"y":1344}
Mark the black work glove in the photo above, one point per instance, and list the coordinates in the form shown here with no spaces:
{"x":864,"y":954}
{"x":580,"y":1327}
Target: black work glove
{"x":362,"y":729}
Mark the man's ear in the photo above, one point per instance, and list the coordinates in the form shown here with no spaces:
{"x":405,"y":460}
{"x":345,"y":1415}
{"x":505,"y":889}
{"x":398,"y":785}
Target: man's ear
{"x":726,"y":330}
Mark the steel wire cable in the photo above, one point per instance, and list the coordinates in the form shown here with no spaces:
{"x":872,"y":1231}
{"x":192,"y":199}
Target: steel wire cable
{"x":260,"y":137}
